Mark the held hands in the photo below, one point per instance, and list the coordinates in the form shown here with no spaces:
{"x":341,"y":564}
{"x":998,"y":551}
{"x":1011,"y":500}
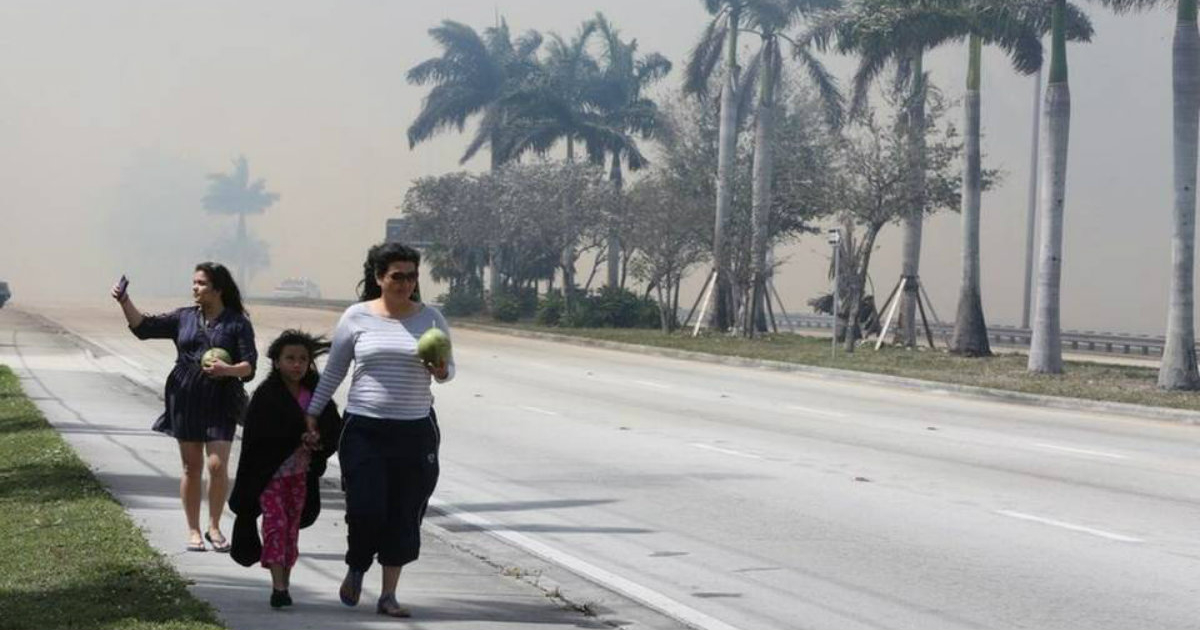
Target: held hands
{"x":311,"y":439}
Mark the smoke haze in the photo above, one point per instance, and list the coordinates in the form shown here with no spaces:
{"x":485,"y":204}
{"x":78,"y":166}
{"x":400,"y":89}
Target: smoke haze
{"x":114,"y":112}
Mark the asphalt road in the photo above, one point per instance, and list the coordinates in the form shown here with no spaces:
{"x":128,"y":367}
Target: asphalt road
{"x":750,"y":499}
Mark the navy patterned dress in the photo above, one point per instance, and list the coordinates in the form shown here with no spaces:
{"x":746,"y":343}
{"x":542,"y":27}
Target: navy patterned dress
{"x":201,"y":408}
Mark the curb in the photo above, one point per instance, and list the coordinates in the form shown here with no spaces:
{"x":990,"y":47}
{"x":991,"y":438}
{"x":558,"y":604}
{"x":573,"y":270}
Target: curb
{"x":1168,"y":414}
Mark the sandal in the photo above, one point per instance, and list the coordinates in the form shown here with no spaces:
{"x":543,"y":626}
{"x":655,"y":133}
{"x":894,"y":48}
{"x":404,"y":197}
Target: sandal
{"x":219,"y":547}
{"x":351,"y":588}
{"x":196,"y":546}
{"x":389,"y":606}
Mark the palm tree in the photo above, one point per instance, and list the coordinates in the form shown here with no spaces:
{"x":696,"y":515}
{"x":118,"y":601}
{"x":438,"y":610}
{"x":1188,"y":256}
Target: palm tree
{"x":880,"y":32}
{"x":720,"y":40}
{"x":474,"y":75}
{"x":1017,"y":26}
{"x":1178,"y":369}
{"x":883,"y":32}
{"x":769,"y":20}
{"x":1045,"y":349}
{"x":970,"y":328}
{"x":234,"y":193}
{"x":626,"y":113}
{"x":556,"y":104}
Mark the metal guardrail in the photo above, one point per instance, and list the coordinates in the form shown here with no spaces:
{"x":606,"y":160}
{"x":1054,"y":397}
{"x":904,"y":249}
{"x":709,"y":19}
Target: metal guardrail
{"x":1009,"y":336}
{"x":1073,"y":340}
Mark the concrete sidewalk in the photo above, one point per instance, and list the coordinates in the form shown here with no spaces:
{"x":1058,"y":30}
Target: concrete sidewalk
{"x":106,"y":418}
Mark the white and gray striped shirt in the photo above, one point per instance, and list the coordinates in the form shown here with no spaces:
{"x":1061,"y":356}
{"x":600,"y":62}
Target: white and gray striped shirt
{"x":389,"y":380}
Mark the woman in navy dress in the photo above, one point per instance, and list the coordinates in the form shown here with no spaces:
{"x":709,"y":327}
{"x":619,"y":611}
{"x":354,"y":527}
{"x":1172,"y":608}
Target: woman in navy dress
{"x":203,"y":404}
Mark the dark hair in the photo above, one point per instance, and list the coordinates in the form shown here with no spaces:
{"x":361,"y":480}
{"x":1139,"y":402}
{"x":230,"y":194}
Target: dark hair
{"x":316,"y":347}
{"x":379,"y":258}
{"x":222,"y":282}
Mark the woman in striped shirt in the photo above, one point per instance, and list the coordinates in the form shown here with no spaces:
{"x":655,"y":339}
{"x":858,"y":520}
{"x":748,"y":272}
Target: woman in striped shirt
{"x":389,"y":447}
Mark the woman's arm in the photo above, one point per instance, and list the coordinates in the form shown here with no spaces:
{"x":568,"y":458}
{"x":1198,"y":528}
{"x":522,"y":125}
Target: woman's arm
{"x":341,"y":352}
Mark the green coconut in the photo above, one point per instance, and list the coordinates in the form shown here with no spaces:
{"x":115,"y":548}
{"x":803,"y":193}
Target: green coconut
{"x":212,"y":355}
{"x":434,"y":347}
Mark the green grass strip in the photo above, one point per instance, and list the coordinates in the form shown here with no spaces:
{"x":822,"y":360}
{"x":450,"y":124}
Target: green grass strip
{"x":1086,"y":380}
{"x":69,"y":555}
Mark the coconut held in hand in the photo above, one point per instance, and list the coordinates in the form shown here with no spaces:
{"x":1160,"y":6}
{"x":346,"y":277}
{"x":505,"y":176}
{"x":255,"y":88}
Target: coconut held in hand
{"x":433,"y":347}
{"x":212,"y":355}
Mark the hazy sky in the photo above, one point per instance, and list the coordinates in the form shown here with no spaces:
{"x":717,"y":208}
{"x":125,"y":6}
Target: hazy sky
{"x":113,"y":112}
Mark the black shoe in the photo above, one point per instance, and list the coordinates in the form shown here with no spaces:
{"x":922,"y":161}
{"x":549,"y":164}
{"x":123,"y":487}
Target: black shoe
{"x":279,"y":599}
{"x":351,"y":588}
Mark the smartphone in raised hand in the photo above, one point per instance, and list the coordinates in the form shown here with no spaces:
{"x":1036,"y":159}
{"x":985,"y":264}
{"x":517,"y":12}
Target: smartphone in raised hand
{"x":122,"y":285}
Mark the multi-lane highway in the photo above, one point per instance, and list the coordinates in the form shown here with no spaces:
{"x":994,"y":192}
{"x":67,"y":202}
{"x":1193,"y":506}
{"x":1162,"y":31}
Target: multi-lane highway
{"x":751,"y":499}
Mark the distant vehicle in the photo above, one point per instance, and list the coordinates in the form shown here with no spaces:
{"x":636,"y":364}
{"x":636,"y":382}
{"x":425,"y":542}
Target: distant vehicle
{"x":297,"y":288}
{"x":5,"y":293}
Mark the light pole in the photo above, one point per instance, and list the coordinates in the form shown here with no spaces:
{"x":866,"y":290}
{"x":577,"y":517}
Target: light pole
{"x":835,"y":239}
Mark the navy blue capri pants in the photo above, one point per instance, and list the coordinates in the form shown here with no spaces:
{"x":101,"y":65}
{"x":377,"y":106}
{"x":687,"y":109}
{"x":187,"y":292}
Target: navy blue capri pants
{"x":389,"y":470}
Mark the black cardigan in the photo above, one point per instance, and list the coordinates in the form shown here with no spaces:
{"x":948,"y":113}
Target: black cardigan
{"x":272,"y":431}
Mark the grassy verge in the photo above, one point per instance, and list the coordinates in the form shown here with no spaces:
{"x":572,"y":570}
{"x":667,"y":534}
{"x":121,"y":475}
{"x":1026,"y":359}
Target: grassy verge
{"x":69,"y":556}
{"x":1092,"y":381}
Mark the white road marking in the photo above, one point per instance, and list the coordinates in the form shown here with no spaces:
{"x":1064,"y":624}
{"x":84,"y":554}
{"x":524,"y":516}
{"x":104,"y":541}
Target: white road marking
{"x":1081,"y":451}
{"x":544,"y":412}
{"x":819,"y":412}
{"x":718,"y":449}
{"x":653,"y":384}
{"x":1071,"y":526}
{"x":675,"y":609}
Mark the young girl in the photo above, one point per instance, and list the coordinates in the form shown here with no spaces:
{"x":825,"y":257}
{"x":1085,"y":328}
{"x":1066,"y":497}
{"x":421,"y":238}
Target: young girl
{"x":281,"y":464}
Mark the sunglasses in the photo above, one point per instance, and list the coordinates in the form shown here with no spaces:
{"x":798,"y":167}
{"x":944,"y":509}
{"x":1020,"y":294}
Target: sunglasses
{"x":400,"y":276}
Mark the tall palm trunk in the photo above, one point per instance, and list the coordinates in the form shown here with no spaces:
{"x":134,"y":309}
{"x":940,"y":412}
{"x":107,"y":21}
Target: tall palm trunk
{"x":1045,"y":351}
{"x":1178,"y":370}
{"x":494,"y":255}
{"x":970,"y":330}
{"x":914,"y":222}
{"x":614,"y":236}
{"x":764,"y":159}
{"x":1031,"y":210}
{"x":567,"y":256}
{"x":722,"y":318}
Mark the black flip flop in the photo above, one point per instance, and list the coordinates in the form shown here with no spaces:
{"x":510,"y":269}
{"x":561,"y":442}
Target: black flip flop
{"x":196,"y":547}
{"x":219,"y":548}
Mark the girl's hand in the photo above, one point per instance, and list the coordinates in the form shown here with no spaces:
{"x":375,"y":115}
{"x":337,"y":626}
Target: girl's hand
{"x":312,"y":436}
{"x":439,"y":371}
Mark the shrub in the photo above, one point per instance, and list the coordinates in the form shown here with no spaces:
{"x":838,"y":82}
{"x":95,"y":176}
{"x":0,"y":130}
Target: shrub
{"x":461,"y":302}
{"x":550,"y":309}
{"x":612,"y":308}
{"x":527,"y":301}
{"x":506,"y":308}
